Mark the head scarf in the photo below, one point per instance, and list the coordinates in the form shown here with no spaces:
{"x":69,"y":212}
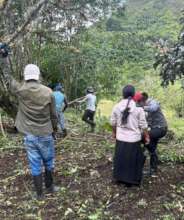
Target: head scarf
{"x":138,"y":97}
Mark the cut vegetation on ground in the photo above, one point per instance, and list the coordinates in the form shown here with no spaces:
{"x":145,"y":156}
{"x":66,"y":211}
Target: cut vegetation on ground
{"x":87,"y":191}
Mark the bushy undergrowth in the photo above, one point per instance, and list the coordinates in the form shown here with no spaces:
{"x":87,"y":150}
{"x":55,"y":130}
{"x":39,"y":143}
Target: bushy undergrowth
{"x":171,"y":153}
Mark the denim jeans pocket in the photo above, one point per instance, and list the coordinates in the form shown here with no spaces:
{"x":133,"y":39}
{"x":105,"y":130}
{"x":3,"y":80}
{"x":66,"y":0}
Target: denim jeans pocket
{"x":47,"y":147}
{"x":30,"y":141}
{"x":47,"y":138}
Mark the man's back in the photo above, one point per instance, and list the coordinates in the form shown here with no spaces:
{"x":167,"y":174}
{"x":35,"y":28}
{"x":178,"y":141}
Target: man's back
{"x":91,"y":102}
{"x":35,"y":105}
{"x":59,"y":99}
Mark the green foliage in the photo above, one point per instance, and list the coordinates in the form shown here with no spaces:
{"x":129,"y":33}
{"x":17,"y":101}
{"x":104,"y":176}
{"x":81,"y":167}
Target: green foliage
{"x":171,"y":153}
{"x":171,"y":59}
{"x":171,"y":100}
{"x":3,"y":142}
{"x":8,"y":143}
{"x":110,"y":53}
{"x":114,"y":52}
{"x":103,"y":124}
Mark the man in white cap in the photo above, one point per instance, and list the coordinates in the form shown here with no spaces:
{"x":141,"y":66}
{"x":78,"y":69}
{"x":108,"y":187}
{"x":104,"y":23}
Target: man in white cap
{"x":37,"y":120}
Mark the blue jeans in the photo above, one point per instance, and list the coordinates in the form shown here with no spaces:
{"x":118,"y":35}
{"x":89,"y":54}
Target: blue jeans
{"x":61,"y":119}
{"x":40,"y":151}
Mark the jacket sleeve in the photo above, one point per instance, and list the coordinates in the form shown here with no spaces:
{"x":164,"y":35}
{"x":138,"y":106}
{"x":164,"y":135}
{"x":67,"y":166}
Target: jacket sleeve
{"x":153,"y":106}
{"x":53,"y":114}
{"x":65,"y":104}
{"x":142,"y":120}
{"x":114,"y":117}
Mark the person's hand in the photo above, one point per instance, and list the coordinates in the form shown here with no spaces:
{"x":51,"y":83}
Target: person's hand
{"x":54,"y":131}
{"x":54,"y":135}
{"x":147,"y":139}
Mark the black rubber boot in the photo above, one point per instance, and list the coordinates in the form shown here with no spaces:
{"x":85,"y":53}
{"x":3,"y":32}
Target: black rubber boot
{"x":93,"y":127}
{"x":128,"y":185}
{"x":38,"y":186}
{"x":88,"y":121}
{"x":64,"y":132}
{"x":49,"y":185}
{"x":153,"y":163}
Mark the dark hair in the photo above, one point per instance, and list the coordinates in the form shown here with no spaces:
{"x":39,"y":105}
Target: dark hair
{"x":90,"y":90}
{"x":126,"y":113}
{"x":128,"y":91}
{"x":144,"y":96}
{"x":4,"y":49}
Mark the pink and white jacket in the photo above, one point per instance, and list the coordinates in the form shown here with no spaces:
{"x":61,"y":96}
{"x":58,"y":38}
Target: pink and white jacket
{"x":130,"y":132}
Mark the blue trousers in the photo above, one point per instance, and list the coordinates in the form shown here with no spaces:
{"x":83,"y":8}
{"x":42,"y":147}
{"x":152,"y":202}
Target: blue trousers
{"x":40,"y":152}
{"x":61,"y":119}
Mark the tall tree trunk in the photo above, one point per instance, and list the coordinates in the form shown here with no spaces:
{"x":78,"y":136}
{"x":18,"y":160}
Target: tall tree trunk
{"x":7,"y":101}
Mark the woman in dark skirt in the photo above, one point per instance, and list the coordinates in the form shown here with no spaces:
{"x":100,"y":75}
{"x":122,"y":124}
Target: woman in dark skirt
{"x":128,"y":122}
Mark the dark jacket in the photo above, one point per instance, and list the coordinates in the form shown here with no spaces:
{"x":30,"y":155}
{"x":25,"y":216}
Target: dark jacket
{"x":155,"y":117}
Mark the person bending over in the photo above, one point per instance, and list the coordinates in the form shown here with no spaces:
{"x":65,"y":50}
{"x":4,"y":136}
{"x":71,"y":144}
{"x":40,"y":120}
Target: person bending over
{"x":157,"y":128}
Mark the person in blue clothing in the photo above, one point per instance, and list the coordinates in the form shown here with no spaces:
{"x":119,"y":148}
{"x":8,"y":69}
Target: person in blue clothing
{"x":61,"y":105}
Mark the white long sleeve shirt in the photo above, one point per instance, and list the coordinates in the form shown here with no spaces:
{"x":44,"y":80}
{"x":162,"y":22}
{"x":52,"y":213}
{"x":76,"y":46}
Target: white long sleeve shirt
{"x":130,"y":132}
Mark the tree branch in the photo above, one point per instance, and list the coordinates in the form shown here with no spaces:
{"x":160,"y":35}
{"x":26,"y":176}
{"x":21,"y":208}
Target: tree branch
{"x":32,"y":12}
{"x":3,"y":4}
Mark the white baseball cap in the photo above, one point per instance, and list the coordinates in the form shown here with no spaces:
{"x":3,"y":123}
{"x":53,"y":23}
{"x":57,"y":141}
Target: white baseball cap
{"x":31,"y":71}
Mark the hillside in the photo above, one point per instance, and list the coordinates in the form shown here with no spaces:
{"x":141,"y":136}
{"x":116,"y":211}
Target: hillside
{"x":84,"y":174}
{"x":174,"y":5}
{"x":112,"y":52}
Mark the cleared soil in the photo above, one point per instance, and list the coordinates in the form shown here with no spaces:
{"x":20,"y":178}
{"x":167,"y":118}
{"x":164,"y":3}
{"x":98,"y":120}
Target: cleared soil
{"x":87,"y":191}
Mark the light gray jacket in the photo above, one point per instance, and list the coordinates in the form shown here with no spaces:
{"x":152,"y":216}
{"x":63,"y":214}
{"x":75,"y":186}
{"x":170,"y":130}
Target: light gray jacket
{"x":155,"y":118}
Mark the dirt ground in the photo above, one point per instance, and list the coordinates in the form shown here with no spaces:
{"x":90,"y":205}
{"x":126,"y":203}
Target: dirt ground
{"x":87,"y":191}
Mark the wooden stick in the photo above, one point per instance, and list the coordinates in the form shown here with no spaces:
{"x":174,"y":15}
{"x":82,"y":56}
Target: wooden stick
{"x":76,"y":100}
{"x":1,"y":127}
